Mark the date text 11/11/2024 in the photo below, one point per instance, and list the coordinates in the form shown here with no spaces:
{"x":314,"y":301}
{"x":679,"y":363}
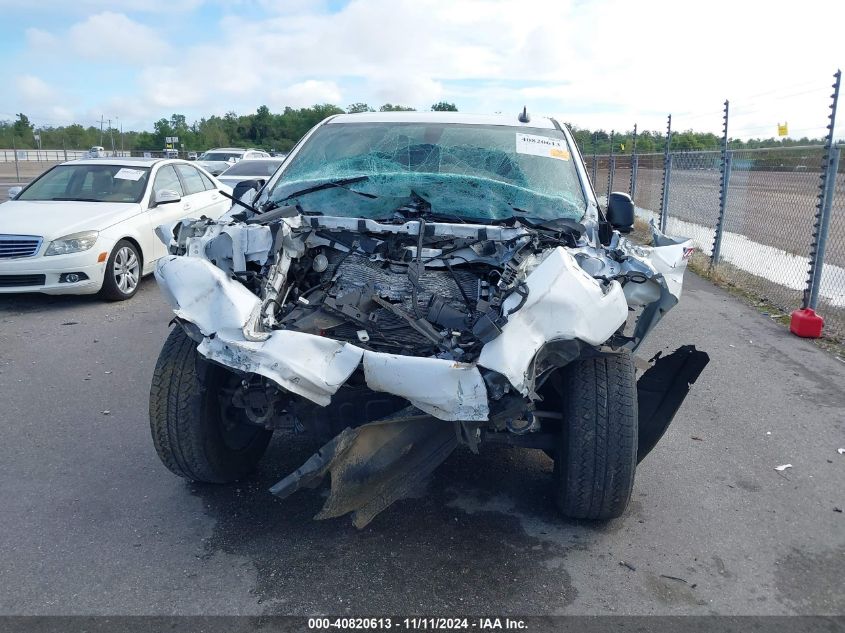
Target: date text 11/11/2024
{"x":418,"y":624}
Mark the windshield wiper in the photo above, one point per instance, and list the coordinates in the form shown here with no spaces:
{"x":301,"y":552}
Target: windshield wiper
{"x":340,"y":184}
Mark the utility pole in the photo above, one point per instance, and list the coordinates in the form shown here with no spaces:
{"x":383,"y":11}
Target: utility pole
{"x":111,"y":134}
{"x":101,"y":130}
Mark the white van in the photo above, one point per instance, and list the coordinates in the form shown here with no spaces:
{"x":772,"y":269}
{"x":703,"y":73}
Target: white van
{"x":96,"y":152}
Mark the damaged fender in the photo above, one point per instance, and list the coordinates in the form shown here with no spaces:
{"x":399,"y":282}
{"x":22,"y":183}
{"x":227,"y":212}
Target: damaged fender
{"x":199,"y":292}
{"x":564,"y":302}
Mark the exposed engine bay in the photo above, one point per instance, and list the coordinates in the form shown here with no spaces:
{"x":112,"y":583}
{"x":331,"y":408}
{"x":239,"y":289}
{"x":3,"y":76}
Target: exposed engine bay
{"x":457,"y":322}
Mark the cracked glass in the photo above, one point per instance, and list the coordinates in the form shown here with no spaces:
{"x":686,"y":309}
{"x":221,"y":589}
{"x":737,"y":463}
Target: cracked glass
{"x":476,"y":172}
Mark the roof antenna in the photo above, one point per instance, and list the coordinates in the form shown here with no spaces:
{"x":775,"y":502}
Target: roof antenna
{"x":523,"y":116}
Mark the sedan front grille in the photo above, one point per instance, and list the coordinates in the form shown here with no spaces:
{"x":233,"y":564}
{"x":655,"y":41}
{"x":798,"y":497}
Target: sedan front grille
{"x":20,"y":281}
{"x":14,"y":246}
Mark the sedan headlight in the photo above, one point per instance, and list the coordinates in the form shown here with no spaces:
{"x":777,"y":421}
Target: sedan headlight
{"x":73,"y":243}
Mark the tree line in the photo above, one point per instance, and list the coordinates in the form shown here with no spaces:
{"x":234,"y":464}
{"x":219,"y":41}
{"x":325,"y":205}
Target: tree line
{"x":280,"y":131}
{"x":263,"y":129}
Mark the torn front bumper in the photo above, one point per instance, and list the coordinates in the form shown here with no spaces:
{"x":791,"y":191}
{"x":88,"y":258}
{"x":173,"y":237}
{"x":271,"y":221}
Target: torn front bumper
{"x":564,"y":303}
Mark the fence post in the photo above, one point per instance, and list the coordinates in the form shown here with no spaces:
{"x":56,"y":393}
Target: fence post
{"x":723,"y":192}
{"x":632,"y":186}
{"x":822,"y":220}
{"x":611,"y":167}
{"x":15,"y":152}
{"x":667,"y":174}
{"x":824,"y":227}
{"x":64,"y":148}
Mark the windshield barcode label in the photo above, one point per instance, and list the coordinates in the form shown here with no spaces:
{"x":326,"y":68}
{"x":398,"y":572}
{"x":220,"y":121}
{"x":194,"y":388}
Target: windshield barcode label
{"x":541,"y":146}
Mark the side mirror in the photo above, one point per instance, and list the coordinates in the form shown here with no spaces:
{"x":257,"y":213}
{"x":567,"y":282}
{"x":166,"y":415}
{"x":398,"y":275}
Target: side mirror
{"x":14,"y":191}
{"x":620,"y":212}
{"x":166,"y":196}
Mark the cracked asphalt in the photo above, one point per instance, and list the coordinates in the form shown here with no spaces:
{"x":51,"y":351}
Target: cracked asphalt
{"x":92,"y":523}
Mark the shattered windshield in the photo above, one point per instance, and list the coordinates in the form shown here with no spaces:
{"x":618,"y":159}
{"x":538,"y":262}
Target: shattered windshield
{"x":475,"y":172}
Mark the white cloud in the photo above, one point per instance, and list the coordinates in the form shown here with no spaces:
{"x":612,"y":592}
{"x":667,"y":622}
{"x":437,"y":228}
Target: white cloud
{"x":605,"y":63}
{"x":91,"y":6}
{"x":113,"y":37}
{"x":41,"y":41}
{"x":304,"y":94}
{"x":33,"y":90}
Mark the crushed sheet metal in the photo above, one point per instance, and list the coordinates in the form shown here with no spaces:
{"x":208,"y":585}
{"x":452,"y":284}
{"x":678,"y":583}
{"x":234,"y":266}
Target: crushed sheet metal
{"x":199,"y":292}
{"x":564,"y":302}
{"x":374,"y":465}
{"x":313,"y":367}
{"x":445,"y":389}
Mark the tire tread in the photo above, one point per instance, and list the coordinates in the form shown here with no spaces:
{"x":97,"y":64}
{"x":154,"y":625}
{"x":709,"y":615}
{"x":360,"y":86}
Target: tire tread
{"x":597,"y":456}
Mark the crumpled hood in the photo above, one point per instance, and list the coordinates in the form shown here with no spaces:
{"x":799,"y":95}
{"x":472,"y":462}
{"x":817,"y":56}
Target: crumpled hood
{"x":55,"y":219}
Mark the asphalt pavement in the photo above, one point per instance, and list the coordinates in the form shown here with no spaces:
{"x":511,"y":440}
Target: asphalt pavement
{"x":92,"y":523}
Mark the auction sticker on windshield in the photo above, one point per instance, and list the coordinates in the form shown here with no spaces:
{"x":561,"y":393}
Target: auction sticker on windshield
{"x":541,"y":146}
{"x":129,"y":174}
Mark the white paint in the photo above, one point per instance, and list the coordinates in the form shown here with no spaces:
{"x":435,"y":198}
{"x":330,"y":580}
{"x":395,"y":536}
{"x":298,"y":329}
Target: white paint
{"x":313,"y":367}
{"x":203,"y":294}
{"x":442,"y":388}
{"x":564,"y":303}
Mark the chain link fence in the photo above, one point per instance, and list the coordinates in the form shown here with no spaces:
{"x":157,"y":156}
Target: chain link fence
{"x":768,"y":226}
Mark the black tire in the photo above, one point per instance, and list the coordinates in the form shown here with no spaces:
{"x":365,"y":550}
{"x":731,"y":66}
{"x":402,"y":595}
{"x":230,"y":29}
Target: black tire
{"x":597,"y":452}
{"x":111,"y":289}
{"x":192,"y":436}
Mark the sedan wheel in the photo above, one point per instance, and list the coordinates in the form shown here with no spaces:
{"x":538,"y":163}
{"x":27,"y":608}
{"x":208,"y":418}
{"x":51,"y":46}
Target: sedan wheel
{"x":123,"y":272}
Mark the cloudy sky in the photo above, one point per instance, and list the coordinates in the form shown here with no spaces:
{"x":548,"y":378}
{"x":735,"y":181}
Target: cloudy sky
{"x":594,"y":63}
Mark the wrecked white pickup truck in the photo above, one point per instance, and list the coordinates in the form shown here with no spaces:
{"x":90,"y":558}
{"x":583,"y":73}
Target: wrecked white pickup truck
{"x":407,"y":283}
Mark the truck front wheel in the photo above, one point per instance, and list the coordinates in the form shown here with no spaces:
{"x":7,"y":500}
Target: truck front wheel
{"x":596,"y":456}
{"x":197,"y":434}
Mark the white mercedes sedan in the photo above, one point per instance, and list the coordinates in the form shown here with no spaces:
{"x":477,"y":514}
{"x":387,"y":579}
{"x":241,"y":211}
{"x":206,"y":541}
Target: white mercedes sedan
{"x":88,"y":226}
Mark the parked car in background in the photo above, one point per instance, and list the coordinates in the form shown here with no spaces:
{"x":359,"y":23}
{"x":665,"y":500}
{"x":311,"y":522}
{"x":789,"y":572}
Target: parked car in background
{"x":192,"y":155}
{"x":87,"y":226}
{"x":251,"y":171}
{"x":96,"y":152}
{"x":218,"y":160}
{"x":170,"y":153}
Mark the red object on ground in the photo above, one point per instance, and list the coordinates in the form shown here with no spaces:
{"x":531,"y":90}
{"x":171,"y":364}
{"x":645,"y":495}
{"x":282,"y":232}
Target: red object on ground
{"x":806,"y":323}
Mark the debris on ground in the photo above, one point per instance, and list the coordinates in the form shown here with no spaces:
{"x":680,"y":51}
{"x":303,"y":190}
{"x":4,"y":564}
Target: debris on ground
{"x":836,"y":509}
{"x":674,"y":578}
{"x":106,"y":412}
{"x":696,"y":438}
{"x":628,"y":565}
{"x":841,"y":451}
{"x":782,"y":468}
